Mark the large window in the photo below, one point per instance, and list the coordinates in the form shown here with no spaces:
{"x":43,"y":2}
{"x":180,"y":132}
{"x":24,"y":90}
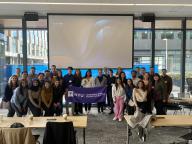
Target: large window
{"x":11,"y":40}
{"x":142,"y":43}
{"x":168,"y":55}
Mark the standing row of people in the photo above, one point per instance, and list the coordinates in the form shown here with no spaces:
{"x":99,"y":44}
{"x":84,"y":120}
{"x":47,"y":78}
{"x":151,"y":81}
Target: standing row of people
{"x":44,"y":92}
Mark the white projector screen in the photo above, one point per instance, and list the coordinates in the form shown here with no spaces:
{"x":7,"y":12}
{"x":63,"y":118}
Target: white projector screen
{"x":89,"y":41}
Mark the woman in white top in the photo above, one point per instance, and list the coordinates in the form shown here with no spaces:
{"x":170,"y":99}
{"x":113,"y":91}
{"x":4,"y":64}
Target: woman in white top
{"x":119,"y":97}
{"x":140,"y":97}
{"x":140,"y":101}
{"x":87,"y":82}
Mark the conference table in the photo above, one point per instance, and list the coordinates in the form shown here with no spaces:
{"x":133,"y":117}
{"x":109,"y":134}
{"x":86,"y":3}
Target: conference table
{"x":165,"y":121}
{"x":180,"y":100}
{"x":40,"y":122}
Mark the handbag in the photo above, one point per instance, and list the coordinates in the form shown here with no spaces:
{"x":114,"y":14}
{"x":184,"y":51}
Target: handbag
{"x":131,"y":103}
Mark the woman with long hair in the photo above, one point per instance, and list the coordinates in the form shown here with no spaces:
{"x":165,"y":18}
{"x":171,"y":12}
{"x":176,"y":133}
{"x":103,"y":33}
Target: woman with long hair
{"x":148,"y":87}
{"x":19,"y":100}
{"x":159,"y":95}
{"x":35,"y":98}
{"x":129,"y":90}
{"x":47,"y":98}
{"x":87,"y":82}
{"x":119,"y":97}
{"x":9,"y":88}
{"x":77,"y":82}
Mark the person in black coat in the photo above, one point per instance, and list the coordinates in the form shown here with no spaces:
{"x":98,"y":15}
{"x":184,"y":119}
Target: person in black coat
{"x":110,"y":81}
{"x":77,"y":82}
{"x":57,"y":97}
{"x":9,"y":88}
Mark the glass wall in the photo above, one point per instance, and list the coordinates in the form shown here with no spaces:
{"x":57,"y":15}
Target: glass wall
{"x":11,"y":56}
{"x":168,"y":55}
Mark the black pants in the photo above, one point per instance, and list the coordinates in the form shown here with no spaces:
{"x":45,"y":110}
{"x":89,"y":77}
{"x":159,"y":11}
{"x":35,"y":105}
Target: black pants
{"x":109,"y":96}
{"x":87,"y":106}
{"x":100,"y":106}
{"x":48,"y":111}
{"x":130,"y":110}
{"x":160,"y":109}
{"x":58,"y":110}
{"x":78,"y":108}
{"x":13,"y":109}
{"x":110,"y":99}
{"x":35,"y":111}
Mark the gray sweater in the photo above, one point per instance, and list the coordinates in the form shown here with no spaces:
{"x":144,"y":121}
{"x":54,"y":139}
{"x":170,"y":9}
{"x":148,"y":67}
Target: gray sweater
{"x":18,"y":99}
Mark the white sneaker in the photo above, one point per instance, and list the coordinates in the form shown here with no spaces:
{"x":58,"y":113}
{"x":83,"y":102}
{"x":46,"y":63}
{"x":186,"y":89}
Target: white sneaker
{"x":120,"y":120}
{"x":114,"y":118}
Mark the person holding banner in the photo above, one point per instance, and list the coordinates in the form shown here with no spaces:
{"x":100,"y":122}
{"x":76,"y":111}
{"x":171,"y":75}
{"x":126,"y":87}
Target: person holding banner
{"x":100,"y":81}
{"x":87,"y":82}
{"x":68,"y":80}
{"x":77,"y":83}
{"x":119,"y":97}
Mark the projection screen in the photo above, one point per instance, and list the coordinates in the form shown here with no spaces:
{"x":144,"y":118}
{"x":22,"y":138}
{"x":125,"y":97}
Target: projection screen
{"x":90,"y":41}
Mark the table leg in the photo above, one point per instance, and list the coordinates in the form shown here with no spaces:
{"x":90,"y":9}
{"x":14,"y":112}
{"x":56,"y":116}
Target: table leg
{"x":83,"y":135}
{"x":128,"y":135}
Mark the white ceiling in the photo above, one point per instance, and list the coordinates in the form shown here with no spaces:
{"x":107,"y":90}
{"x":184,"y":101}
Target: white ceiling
{"x":162,"y":8}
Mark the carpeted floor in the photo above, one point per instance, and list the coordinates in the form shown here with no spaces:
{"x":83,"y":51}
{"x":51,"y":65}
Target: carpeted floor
{"x":103,"y":130}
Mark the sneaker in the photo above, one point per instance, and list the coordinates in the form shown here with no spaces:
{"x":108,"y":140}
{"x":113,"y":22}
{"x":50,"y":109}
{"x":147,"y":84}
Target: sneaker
{"x":114,"y":118}
{"x":120,"y":120}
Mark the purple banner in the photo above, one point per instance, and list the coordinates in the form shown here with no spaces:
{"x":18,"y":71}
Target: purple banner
{"x":86,"y":95}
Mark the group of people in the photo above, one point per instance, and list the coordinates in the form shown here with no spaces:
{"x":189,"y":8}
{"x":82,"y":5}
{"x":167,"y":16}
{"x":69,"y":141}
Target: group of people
{"x":43,"y":93}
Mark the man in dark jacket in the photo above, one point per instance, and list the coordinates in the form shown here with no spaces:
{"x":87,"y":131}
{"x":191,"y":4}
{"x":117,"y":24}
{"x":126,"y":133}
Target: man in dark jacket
{"x":167,"y":80}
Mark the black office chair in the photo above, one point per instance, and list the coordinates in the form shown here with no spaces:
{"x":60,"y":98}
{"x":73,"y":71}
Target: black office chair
{"x":173,"y":107}
{"x":59,"y":133}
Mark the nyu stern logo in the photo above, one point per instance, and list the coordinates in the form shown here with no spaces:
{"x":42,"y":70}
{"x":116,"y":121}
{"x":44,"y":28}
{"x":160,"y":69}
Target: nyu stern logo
{"x":70,"y":93}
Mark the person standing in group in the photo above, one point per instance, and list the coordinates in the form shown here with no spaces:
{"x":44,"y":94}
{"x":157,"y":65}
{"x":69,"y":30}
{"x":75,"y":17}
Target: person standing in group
{"x":31,"y":76}
{"x":47,"y":75}
{"x":77,"y":82}
{"x":119,"y":97}
{"x":24,"y":75}
{"x":57,"y":97}
{"x":151,"y":75}
{"x":129,"y":99}
{"x":100,"y":81}
{"x":18,"y":73}
{"x":148,"y":87}
{"x":138,"y":72}
{"x":47,"y":98}
{"x":53,"y":71}
{"x":110,"y":82}
{"x":88,"y":82}
{"x":8,"y":93}
{"x":135,"y":79}
{"x":167,"y":80}
{"x":68,"y":80}
{"x":60,"y":76}
{"x":123,"y":78}
{"x":142,"y":73}
{"x":41,"y":79}
{"x":19,"y":100}
{"x":159,"y":95}
{"x":34,"y":101}
{"x":119,"y":70}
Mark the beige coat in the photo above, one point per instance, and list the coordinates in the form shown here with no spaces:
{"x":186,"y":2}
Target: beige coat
{"x":16,"y":136}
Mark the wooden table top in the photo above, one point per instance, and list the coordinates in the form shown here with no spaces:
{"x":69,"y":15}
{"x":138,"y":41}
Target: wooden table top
{"x":170,"y":120}
{"x":181,"y":100}
{"x":40,"y":122}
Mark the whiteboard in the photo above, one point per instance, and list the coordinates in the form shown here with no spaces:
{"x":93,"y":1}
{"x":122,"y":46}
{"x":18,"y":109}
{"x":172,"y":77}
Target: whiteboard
{"x":89,"y":41}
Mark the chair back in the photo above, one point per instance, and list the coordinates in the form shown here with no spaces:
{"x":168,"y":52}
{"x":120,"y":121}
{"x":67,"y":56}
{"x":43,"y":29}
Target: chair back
{"x":17,"y":136}
{"x":59,"y":133}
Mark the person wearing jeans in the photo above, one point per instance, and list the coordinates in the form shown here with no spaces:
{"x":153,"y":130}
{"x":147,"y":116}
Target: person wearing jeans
{"x":119,"y":97}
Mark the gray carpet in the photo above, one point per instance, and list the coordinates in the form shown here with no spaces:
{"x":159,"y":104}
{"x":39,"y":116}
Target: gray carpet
{"x":103,"y":130}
